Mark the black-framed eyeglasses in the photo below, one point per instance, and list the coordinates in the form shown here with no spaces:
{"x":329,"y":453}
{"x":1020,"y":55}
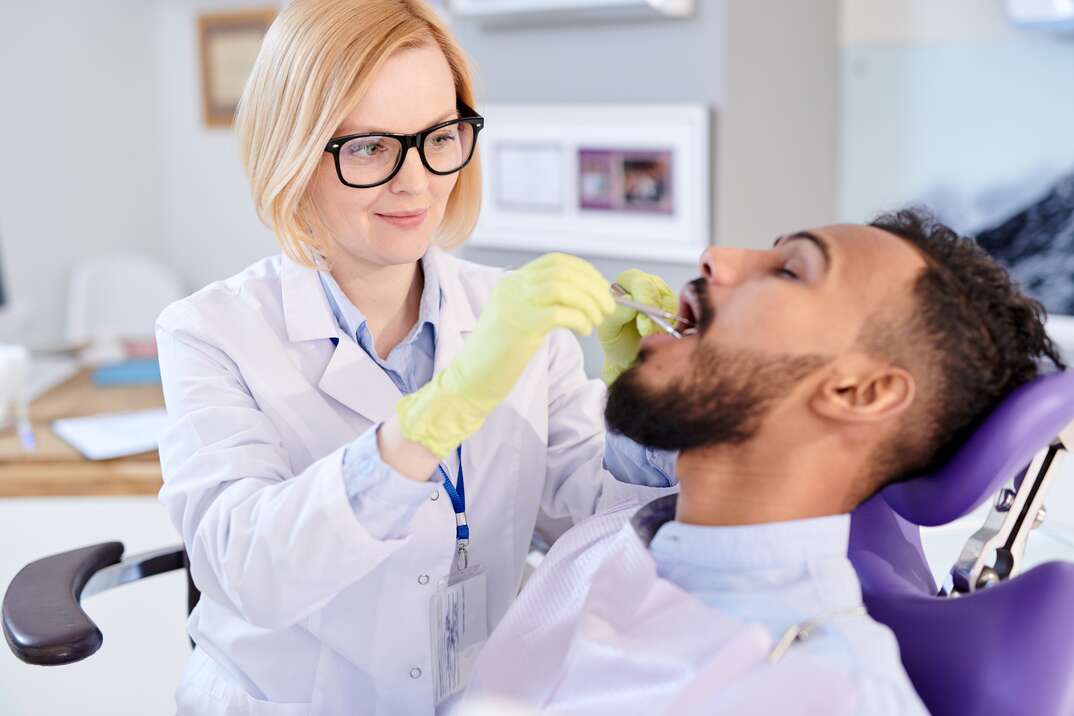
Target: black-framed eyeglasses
{"x":367,"y":160}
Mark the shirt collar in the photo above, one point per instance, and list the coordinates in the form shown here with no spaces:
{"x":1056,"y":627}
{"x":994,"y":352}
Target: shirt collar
{"x":737,"y":548}
{"x":351,"y":320}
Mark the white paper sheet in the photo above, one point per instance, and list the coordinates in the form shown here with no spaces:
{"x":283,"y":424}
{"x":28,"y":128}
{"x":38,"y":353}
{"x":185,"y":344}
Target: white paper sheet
{"x":112,"y":435}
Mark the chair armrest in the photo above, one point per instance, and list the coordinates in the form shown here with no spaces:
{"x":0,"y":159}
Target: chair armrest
{"x":42,"y":618}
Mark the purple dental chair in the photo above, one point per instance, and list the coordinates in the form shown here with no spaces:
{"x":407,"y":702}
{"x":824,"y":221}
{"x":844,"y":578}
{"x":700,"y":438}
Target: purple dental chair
{"x":987,"y":643}
{"x":990,"y":643}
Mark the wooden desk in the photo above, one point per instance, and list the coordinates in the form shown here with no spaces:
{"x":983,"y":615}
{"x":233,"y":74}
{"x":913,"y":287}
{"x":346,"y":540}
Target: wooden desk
{"x":55,"y":469}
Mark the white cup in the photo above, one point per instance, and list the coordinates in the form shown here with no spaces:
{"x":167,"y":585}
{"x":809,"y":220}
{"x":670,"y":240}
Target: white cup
{"x":14,"y":367}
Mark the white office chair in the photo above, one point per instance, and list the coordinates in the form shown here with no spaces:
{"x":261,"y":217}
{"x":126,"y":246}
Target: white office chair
{"x":118,"y":296}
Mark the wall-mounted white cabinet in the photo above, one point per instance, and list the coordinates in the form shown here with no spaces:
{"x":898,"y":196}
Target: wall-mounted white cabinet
{"x":523,"y":12}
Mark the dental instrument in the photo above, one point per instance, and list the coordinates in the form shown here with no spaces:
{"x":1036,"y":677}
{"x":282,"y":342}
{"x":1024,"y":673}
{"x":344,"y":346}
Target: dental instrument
{"x":658,"y":316}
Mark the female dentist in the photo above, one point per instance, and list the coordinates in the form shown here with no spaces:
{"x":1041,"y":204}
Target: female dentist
{"x":352,"y":545}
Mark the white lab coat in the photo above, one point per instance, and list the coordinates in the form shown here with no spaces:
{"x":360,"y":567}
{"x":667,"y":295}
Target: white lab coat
{"x":303,"y":610}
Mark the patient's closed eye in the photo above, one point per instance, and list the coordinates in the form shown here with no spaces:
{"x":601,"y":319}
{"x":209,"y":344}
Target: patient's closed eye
{"x":786,"y":273}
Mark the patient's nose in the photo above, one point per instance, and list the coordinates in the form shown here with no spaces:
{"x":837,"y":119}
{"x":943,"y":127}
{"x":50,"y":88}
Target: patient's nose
{"x":723,"y":265}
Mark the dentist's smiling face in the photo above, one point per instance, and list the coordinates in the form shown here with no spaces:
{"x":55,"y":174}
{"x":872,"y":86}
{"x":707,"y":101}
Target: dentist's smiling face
{"x":393,"y":223}
{"x":767,"y":321}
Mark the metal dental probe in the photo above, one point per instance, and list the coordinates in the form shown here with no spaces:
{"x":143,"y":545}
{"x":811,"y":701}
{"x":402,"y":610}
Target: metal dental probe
{"x":659,"y":316}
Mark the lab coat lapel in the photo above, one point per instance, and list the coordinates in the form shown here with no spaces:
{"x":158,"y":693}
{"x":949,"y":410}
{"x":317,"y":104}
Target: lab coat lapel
{"x":457,"y":314}
{"x":355,"y":380}
{"x":351,"y":377}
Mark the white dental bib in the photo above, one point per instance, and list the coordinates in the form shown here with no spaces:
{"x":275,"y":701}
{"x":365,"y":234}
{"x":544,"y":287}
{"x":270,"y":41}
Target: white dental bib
{"x":597,"y":631}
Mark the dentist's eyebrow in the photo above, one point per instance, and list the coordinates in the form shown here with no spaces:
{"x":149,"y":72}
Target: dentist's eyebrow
{"x":372,"y":129}
{"x":817,"y":241}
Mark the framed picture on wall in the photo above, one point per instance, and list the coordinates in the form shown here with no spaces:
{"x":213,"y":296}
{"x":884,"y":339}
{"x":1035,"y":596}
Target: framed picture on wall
{"x":633,"y":180}
{"x":624,"y":181}
{"x":229,"y":43}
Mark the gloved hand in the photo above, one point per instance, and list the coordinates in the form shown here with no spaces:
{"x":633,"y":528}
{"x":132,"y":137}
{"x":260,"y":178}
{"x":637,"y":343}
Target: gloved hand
{"x":554,"y":291}
{"x":620,"y":336}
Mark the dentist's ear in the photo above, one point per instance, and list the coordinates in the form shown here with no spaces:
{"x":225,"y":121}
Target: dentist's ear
{"x":863,"y":390}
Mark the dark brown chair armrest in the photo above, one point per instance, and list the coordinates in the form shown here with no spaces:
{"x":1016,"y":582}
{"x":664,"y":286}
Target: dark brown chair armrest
{"x":43,"y":620}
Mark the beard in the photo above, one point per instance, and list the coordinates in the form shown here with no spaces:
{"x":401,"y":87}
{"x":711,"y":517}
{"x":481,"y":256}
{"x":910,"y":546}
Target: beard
{"x":721,"y":400}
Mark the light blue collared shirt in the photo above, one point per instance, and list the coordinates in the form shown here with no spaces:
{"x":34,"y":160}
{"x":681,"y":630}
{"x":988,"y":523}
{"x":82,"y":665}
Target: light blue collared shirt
{"x":409,"y":364}
{"x":781,"y":574}
{"x":370,"y":483}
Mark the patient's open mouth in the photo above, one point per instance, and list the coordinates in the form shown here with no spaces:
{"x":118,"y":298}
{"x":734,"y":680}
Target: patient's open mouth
{"x":689,"y":309}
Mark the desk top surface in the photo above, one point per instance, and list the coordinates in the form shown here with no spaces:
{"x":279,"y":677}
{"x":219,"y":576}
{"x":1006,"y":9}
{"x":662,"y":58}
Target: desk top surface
{"x":55,"y":469}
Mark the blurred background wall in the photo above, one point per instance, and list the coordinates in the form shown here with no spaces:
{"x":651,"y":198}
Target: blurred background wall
{"x":822,"y":111}
{"x":946,"y":102}
{"x":79,"y":131}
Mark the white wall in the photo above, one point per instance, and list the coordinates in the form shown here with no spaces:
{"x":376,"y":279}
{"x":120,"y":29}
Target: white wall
{"x":138,"y":172}
{"x":78,"y":145}
{"x":777,"y":127}
{"x":902,"y":22}
{"x":209,"y":229}
{"x":944,"y":102}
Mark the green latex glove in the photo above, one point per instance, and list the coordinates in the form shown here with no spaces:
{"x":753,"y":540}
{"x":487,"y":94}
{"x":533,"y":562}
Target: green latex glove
{"x":554,"y":291}
{"x":620,"y":336}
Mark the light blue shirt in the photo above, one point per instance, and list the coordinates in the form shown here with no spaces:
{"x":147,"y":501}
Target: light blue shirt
{"x":370,"y":483}
{"x":781,"y":574}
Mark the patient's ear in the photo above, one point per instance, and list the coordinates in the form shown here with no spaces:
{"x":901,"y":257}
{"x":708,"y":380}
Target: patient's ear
{"x":864,"y":389}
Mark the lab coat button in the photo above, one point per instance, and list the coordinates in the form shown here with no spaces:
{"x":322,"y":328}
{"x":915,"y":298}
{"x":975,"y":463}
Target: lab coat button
{"x":423,"y":579}
{"x":415,"y":673}
{"x":435,"y":496}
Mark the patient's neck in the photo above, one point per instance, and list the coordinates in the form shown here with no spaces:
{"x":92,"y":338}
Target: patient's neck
{"x":766,"y":480}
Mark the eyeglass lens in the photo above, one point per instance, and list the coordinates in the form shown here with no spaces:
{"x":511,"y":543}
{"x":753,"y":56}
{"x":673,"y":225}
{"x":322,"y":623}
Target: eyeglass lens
{"x":372,"y":159}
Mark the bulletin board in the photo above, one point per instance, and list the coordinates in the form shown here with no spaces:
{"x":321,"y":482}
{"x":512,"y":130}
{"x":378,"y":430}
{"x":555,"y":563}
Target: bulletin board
{"x":614,"y":180}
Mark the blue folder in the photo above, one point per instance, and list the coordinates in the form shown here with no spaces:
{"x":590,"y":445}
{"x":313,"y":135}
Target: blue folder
{"x":143,"y":371}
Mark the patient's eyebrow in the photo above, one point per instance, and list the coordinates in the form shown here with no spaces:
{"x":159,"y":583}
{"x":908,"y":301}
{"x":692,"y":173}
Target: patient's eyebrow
{"x":816,"y":240}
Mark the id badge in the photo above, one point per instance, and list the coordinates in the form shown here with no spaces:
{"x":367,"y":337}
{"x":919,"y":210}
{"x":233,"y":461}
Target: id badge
{"x":459,"y":630}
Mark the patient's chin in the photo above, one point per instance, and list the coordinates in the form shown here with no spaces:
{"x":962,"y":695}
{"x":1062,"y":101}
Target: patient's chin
{"x":669,"y":417}
{"x":720,"y":398}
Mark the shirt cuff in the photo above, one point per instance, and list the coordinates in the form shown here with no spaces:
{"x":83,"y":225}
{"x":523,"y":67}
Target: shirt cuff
{"x":383,"y":500}
{"x":636,"y":464}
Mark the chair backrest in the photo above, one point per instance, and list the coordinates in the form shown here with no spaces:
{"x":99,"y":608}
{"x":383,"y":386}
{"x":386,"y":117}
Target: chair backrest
{"x":1006,"y":649}
{"x":118,"y":296}
{"x":1024,"y":423}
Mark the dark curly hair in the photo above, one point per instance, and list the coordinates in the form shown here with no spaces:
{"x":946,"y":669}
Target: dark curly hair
{"x":983,"y":339}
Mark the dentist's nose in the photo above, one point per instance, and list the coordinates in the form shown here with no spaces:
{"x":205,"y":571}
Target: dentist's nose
{"x":412,"y":178}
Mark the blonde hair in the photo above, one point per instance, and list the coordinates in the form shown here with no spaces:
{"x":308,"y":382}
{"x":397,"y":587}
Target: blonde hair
{"x":316,"y":63}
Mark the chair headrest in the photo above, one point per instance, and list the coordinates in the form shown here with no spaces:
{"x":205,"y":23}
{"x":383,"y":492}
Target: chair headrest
{"x":1002,"y":446}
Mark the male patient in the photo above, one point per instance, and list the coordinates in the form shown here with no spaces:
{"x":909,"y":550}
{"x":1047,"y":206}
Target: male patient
{"x":838,"y":361}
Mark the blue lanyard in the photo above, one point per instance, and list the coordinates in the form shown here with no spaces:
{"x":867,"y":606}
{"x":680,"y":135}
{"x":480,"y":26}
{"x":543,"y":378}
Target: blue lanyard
{"x":457,"y":493}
